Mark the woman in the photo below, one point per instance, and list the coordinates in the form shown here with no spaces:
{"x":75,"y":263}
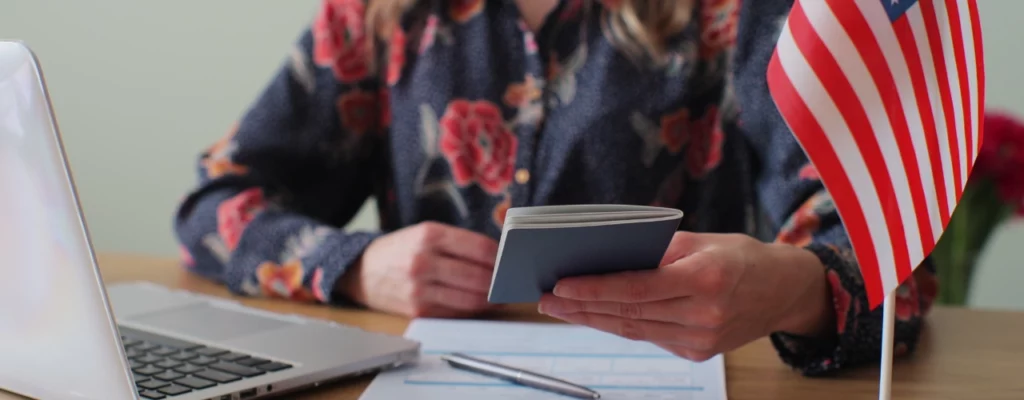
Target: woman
{"x":450,"y":112}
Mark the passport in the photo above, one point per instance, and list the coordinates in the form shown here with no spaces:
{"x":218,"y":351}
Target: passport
{"x":542,"y":244}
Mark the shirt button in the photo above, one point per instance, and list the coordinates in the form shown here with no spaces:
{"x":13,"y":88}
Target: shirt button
{"x":522,"y":176}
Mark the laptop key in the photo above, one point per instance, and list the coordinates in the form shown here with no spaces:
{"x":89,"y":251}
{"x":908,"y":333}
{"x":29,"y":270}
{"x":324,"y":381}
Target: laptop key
{"x":139,"y":378}
{"x":209,"y":351}
{"x":148,"y":370}
{"x":168,"y":375}
{"x":153,"y":384}
{"x":195,"y":383}
{"x":175,"y":390}
{"x":274,"y":366}
{"x":150,"y":394}
{"x":184,"y":356}
{"x":236,"y":369}
{"x":217,"y":376}
{"x":164,"y":351}
{"x":232,"y":356}
{"x":135,"y":364}
{"x":251,"y":361}
{"x":148,"y":359}
{"x":168,"y":364}
{"x":203,"y":360}
{"x":189,"y":369}
{"x":132,"y":353}
{"x":145,"y":346}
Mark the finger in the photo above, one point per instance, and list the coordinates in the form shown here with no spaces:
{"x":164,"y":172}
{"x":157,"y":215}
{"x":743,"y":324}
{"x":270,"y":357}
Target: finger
{"x":631,"y":328}
{"x":459,"y":274}
{"x":453,"y":298}
{"x":682,"y":245}
{"x":649,"y":331}
{"x":462,"y":243}
{"x":627,"y":287}
{"x":688,"y":311}
{"x":689,"y":353}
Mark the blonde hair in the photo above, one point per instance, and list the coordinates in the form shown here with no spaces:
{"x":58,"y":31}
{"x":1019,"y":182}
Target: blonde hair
{"x":639,"y":28}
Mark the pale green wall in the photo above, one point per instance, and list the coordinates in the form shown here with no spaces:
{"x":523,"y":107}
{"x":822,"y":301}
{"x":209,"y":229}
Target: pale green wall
{"x":141,"y":86}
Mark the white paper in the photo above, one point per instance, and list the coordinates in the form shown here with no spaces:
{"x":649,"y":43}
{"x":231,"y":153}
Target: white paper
{"x":617,"y":368}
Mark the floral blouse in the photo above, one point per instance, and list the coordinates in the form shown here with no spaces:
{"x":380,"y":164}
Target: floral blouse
{"x":464,"y":112}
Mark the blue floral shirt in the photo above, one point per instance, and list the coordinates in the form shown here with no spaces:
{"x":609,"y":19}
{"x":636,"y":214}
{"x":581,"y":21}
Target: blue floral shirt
{"x":464,"y":112}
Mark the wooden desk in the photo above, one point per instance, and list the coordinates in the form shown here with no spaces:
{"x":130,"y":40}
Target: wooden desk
{"x":964,"y":354}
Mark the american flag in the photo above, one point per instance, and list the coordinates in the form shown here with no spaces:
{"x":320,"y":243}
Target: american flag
{"x":887,"y":98}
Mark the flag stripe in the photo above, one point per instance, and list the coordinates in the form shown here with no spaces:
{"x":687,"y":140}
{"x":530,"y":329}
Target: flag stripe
{"x":906,"y":38}
{"x":839,"y":85}
{"x":843,"y":194}
{"x":917,"y":25}
{"x":939,"y":63}
{"x":979,"y":68}
{"x":823,"y":64}
{"x":965,"y":124}
{"x":855,"y":17}
{"x":887,"y":99}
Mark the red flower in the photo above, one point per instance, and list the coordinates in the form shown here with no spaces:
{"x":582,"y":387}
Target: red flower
{"x":234,"y":214}
{"x":478,"y":145}
{"x":358,"y":111}
{"x":396,"y":56}
{"x":675,"y":129}
{"x":706,"y":137}
{"x":809,"y":172}
{"x":499,"y":211}
{"x":703,"y":135}
{"x":429,"y":33}
{"x":283,"y":281}
{"x":928,"y":287}
{"x":840,"y":299}
{"x":464,"y":10}
{"x":340,"y":39}
{"x":800,"y":227}
{"x":908,"y":304}
{"x":718,"y":22}
{"x":1001,"y":157}
{"x":385,"y":107}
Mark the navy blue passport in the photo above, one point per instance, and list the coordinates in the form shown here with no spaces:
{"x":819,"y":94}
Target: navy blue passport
{"x":540,"y":245}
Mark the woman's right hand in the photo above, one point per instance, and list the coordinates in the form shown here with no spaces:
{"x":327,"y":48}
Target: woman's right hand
{"x":426,"y":270}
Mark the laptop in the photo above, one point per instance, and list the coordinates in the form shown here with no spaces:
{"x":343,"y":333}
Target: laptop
{"x":64,"y":335}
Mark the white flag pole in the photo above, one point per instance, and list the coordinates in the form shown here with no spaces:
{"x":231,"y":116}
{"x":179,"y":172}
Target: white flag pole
{"x":888,"y":325}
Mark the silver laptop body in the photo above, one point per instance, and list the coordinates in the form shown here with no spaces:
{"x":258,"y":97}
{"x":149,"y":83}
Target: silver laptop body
{"x":62,"y":337}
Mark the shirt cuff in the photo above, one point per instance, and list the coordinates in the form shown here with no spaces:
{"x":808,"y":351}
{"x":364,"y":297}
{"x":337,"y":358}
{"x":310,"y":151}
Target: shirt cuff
{"x":335,"y":257}
{"x":820,"y":355}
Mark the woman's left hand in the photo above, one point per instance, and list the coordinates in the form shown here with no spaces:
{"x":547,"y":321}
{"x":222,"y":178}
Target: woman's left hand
{"x":713,"y":293}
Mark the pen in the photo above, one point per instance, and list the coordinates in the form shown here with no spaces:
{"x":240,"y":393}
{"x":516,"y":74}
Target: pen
{"x":519,"y":376}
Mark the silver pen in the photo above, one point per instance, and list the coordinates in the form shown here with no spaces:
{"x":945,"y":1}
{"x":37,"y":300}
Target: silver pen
{"x":519,"y":376}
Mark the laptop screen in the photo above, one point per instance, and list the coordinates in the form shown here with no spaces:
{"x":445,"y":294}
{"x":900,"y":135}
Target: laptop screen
{"x":57,"y":339}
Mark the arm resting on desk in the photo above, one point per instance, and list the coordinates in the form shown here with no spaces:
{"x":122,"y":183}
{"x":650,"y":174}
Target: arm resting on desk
{"x":265,"y":217}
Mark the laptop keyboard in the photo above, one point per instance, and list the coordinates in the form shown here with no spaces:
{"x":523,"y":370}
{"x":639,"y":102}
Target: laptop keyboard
{"x":165,"y":367}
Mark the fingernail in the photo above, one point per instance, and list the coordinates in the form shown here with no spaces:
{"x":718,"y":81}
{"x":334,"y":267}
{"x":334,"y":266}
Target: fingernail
{"x":562,"y":291}
{"x":540,"y":308}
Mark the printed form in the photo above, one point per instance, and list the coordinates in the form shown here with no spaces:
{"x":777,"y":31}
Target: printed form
{"x":617,"y":368}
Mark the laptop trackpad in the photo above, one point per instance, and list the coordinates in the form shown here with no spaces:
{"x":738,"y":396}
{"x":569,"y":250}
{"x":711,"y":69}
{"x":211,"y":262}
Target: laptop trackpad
{"x":203,"y":321}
